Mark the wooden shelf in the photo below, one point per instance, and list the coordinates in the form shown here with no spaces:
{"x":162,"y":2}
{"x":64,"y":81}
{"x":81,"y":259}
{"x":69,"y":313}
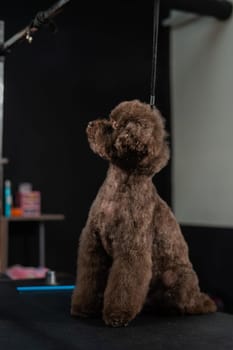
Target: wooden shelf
{"x":4,"y":229}
{"x":42,"y":217}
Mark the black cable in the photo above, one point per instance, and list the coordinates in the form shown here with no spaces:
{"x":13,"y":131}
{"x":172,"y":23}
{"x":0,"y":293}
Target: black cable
{"x":154,"y":52}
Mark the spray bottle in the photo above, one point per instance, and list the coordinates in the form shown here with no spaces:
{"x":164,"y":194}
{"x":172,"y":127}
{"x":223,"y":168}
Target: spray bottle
{"x":8,"y":198}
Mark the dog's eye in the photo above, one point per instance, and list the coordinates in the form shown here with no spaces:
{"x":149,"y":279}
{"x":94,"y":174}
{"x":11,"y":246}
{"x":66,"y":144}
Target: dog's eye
{"x":114,"y":125}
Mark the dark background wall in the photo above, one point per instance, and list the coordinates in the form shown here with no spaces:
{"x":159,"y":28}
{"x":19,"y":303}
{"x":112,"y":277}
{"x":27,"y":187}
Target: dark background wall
{"x":100,"y":56}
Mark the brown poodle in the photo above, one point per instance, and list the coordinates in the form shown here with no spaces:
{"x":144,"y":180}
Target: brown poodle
{"x":132,"y":253}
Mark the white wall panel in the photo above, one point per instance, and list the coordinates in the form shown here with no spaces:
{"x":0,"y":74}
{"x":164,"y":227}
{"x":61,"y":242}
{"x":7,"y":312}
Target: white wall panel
{"x":202,"y":111}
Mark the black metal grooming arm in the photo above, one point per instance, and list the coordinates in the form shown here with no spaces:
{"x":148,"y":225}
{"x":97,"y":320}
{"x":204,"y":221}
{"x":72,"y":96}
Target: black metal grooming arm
{"x":220,"y":9}
{"x":41,"y":19}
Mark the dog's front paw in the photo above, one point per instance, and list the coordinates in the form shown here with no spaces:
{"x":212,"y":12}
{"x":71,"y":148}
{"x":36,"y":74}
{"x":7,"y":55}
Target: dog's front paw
{"x":117,"y":319}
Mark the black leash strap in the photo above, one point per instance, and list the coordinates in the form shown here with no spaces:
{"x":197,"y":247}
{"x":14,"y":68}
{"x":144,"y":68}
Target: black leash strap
{"x":154,"y":52}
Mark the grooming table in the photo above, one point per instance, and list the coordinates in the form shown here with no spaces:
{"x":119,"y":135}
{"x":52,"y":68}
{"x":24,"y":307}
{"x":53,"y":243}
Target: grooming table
{"x":41,"y":321}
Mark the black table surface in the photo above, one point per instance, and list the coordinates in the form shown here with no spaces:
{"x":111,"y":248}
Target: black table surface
{"x":41,"y":321}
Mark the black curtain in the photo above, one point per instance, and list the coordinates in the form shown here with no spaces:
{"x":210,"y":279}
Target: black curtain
{"x":100,"y":56}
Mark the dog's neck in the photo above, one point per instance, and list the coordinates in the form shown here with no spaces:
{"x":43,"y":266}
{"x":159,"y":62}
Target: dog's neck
{"x":119,"y":176}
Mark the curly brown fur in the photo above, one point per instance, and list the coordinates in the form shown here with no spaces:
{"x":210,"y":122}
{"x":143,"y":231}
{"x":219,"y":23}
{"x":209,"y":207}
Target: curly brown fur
{"x":131,"y":251}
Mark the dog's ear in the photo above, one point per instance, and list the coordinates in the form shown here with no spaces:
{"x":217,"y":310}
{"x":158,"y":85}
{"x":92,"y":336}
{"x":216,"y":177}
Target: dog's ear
{"x":162,"y":158}
{"x":99,"y":137}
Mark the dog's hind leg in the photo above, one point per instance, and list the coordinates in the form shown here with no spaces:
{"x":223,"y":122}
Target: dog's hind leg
{"x":93,"y":266}
{"x":183,"y":294}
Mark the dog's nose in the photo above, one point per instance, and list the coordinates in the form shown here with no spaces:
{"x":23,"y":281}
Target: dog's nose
{"x":90,"y":124}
